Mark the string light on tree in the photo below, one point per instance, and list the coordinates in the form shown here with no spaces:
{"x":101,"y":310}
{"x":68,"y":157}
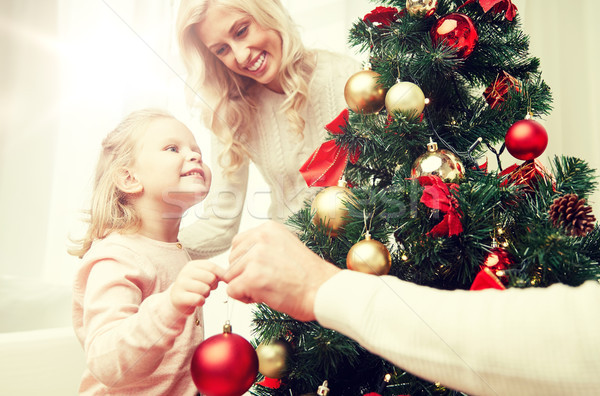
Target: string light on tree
{"x":224,"y":364}
{"x":406,"y":98}
{"x":442,"y":163}
{"x":456,"y":30}
{"x":329,"y":208}
{"x":363,"y":92}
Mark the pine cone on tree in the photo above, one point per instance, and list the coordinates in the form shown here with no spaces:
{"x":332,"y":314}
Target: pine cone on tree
{"x":572,"y":214}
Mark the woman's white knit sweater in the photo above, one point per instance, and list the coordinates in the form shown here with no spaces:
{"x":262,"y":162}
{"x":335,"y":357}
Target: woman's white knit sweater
{"x":278,"y":154}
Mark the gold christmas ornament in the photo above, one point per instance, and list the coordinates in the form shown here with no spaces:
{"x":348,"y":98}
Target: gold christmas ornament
{"x":421,"y":8}
{"x":272,"y":358}
{"x":363,"y":93}
{"x":442,"y":163}
{"x":405,"y":97}
{"x":369,"y":256}
{"x":329,"y":208}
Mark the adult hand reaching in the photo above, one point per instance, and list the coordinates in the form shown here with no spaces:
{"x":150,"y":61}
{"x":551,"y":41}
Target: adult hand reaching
{"x":271,"y":265}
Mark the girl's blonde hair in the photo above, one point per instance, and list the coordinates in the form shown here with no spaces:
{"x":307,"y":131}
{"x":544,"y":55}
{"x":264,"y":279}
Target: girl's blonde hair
{"x":232,"y":95}
{"x":111,"y":210}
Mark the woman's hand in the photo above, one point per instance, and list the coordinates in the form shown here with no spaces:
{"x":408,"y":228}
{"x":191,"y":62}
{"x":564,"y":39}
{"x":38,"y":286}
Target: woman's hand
{"x":194,"y":283}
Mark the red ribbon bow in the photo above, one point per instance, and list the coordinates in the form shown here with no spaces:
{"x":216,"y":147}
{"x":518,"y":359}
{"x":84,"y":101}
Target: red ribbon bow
{"x":382,"y":16}
{"x":497,"y":5}
{"x":327,"y":164}
{"x":487,"y":278}
{"x":271,"y":383}
{"x":526,"y":174}
{"x":436,"y":195}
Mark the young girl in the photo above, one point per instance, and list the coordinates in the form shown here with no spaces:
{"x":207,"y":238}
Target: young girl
{"x":137,"y":295}
{"x":265,"y":97}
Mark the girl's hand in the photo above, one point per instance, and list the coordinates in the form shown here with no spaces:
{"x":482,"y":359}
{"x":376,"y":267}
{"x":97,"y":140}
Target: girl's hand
{"x":193,"y":285}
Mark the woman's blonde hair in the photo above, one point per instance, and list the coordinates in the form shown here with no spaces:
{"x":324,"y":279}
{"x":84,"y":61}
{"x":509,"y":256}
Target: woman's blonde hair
{"x":110,"y":209}
{"x":232,"y":95}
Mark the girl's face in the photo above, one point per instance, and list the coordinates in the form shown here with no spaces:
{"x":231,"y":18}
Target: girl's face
{"x":169,"y":165}
{"x":244,"y":47}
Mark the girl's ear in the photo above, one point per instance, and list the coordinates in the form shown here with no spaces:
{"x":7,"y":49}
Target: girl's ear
{"x":127,"y":182}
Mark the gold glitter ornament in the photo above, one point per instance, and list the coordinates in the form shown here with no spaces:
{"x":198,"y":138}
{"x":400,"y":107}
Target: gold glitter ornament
{"x":421,"y":8}
{"x":442,"y":163}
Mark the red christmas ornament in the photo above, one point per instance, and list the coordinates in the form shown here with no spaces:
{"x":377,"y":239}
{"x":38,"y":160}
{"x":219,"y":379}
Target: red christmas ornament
{"x":456,"y":30}
{"x":496,"y":93}
{"x":526,"y":139}
{"x":224,"y":365}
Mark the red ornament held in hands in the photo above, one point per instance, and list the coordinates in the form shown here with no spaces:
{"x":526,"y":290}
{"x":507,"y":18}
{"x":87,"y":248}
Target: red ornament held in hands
{"x":458,"y":31}
{"x":224,"y":365}
{"x":526,"y":139}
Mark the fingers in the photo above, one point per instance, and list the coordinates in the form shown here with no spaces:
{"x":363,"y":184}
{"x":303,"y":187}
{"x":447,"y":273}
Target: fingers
{"x":194,"y":283}
{"x":204,"y":271}
{"x":252,"y":245}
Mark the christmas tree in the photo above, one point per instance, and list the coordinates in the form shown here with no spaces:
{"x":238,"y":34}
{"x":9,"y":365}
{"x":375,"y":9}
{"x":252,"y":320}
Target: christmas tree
{"x":449,"y":83}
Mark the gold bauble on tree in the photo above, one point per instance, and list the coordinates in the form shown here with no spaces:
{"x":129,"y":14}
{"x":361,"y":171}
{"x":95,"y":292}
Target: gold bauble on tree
{"x":421,"y":8}
{"x":369,"y":256}
{"x":363,"y":92}
{"x":329,"y":208}
{"x":406,"y":98}
{"x":272,"y":358}
{"x":442,"y":163}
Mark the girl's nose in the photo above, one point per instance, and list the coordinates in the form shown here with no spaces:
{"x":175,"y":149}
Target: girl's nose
{"x":195,"y":156}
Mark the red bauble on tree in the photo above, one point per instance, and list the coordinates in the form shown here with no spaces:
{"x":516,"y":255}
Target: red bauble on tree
{"x":526,"y":139}
{"x":456,"y":30}
{"x":224,"y":365}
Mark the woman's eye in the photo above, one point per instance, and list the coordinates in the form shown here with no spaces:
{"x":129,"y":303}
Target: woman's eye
{"x":221,"y":50}
{"x":242,"y":31}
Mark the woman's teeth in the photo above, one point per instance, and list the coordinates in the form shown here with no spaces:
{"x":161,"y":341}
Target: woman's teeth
{"x":254,"y":67}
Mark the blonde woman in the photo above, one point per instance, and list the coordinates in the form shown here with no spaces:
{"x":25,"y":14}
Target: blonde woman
{"x":265,"y":97}
{"x":137,"y":296}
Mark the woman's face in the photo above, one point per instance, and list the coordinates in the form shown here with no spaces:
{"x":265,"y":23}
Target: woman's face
{"x":245,"y":47}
